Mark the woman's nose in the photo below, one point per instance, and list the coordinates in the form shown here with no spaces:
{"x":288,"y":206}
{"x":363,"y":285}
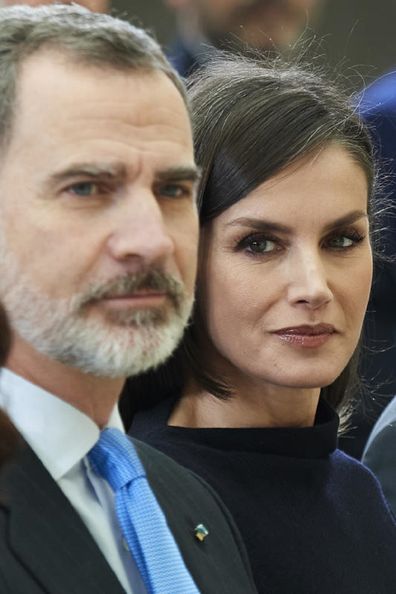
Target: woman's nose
{"x":308,"y":281}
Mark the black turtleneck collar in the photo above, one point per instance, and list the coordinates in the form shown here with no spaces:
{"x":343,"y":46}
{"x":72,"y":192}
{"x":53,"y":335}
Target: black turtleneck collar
{"x":314,"y":442}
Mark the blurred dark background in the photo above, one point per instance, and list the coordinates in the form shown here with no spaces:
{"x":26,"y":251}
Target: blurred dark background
{"x":358,"y":35}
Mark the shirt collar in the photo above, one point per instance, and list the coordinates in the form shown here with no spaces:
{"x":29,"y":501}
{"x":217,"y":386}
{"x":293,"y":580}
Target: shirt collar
{"x":58,"y":433}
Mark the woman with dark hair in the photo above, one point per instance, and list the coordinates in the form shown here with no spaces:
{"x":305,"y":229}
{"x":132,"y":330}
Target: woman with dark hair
{"x":249,"y":400}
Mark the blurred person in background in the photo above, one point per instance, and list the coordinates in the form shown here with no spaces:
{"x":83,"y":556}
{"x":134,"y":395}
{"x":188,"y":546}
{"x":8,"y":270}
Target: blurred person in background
{"x":377,"y":106}
{"x":287,"y":210}
{"x":380,"y":452}
{"x":271,"y":25}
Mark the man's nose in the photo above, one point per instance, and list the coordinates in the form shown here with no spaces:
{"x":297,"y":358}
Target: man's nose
{"x":141,"y":232}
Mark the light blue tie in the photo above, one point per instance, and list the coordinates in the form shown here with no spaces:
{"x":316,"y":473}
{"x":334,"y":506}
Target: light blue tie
{"x":141,"y":519}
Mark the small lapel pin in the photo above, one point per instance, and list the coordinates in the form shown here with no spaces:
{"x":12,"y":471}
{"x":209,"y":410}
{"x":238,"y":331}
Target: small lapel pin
{"x":201,"y":532}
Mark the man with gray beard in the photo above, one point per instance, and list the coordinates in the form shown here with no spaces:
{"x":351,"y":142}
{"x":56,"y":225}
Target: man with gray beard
{"x":98,"y":242}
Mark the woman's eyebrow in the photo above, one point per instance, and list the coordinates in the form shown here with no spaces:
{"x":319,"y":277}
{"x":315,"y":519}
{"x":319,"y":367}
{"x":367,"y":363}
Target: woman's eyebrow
{"x":346,"y":220}
{"x":268,"y":226}
{"x":259,"y":225}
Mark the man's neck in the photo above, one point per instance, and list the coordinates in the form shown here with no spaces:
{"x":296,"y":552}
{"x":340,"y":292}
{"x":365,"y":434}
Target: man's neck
{"x":94,"y":396}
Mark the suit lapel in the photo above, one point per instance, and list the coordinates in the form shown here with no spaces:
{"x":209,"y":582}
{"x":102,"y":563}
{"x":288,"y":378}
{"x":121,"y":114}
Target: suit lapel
{"x":215,"y":564}
{"x":47,"y":534}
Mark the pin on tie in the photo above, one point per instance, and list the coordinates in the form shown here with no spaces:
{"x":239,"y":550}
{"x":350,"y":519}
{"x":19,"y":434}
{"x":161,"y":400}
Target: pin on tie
{"x":201,"y":532}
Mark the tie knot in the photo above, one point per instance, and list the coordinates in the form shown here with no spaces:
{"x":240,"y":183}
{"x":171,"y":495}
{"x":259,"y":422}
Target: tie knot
{"x":114,"y":458}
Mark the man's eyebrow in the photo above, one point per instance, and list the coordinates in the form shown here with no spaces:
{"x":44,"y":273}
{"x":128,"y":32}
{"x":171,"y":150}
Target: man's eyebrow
{"x":93,"y":170}
{"x":119,"y":171}
{"x":192,"y":174}
{"x":270,"y":226}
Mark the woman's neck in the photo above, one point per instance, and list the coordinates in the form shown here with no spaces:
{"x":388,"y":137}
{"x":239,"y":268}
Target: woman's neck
{"x":248,"y":406}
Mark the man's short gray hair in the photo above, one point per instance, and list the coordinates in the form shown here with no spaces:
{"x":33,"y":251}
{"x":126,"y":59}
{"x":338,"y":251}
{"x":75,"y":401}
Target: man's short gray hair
{"x":89,"y":38}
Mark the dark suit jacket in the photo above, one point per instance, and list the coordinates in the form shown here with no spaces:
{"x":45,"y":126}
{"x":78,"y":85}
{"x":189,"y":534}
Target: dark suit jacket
{"x":46,"y":548}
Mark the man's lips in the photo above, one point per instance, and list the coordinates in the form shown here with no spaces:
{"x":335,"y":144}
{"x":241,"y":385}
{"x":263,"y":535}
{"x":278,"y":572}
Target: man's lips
{"x":136,"y":298}
{"x":135,"y":295}
{"x":306,"y":335}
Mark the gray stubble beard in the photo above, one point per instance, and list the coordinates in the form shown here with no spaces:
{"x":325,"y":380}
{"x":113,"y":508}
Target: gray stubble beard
{"x":123,"y":344}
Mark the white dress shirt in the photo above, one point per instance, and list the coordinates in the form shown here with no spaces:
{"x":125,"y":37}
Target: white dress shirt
{"x":61,"y":436}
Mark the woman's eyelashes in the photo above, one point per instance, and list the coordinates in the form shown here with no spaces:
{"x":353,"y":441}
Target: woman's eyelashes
{"x":265,"y":245}
{"x":344,"y":240}
{"x":258,"y":244}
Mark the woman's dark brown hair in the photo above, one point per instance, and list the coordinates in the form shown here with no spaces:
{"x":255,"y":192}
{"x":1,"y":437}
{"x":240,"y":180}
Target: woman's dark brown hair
{"x":252,"y":119}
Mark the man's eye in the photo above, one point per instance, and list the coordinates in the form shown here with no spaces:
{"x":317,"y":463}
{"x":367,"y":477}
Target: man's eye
{"x":84,"y":189}
{"x":174,"y":191}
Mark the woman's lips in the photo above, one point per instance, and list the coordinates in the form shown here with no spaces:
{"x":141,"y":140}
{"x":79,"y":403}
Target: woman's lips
{"x":306,"y":335}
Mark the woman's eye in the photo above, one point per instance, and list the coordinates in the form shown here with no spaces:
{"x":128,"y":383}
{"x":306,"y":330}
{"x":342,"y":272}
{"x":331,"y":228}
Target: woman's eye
{"x":258,"y":245}
{"x":84,"y":189}
{"x":341,"y":242}
{"x":261,"y":246}
{"x":344,"y":241}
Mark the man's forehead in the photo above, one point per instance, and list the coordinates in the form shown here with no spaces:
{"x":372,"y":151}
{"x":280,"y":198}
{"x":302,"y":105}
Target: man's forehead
{"x":61,"y":77}
{"x":70,"y":114}
{"x":64,"y":63}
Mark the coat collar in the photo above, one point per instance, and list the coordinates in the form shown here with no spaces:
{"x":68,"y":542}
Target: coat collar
{"x":47,"y":535}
